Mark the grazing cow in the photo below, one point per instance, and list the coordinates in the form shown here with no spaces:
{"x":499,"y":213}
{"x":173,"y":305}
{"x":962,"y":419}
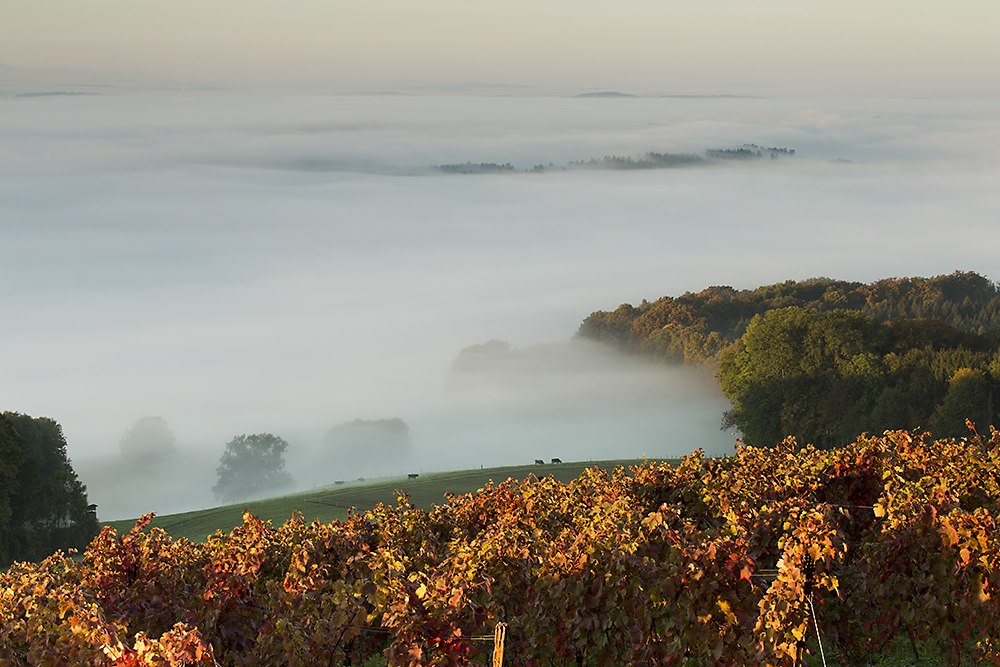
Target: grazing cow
{"x":339,"y":481}
{"x":557,"y":460}
{"x":412,"y":475}
{"x":539,"y":462}
{"x":361,"y":479}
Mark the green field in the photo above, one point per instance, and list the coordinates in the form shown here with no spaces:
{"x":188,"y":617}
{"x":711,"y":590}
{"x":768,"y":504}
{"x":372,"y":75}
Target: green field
{"x":332,"y":503}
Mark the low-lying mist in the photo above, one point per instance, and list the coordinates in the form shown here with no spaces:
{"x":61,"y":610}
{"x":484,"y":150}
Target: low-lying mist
{"x":496,"y":406}
{"x":174,"y":254}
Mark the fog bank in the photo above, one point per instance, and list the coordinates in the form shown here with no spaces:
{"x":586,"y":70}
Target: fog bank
{"x":184,"y":256}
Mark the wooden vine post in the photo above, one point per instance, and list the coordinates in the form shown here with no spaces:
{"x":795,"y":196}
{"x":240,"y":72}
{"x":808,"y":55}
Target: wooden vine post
{"x":498,"y":637}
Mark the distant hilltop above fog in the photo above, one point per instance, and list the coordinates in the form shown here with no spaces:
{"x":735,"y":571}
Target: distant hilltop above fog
{"x":53,"y":94}
{"x":607,"y":93}
{"x":616,"y":94}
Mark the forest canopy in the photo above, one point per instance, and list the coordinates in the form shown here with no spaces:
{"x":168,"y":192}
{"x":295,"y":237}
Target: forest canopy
{"x":827,"y":377}
{"x":696,"y":326}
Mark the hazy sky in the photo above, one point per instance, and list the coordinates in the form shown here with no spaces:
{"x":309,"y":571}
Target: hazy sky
{"x":661,"y":46}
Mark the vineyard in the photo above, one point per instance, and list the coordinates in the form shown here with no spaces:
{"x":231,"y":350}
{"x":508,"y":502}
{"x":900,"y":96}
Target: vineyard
{"x":728,"y":561}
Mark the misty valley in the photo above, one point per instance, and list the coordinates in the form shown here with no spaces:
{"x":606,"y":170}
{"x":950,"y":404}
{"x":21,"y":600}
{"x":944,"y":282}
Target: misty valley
{"x":821,"y":360}
{"x":503,"y":406}
{"x":638,"y":407}
{"x":847,"y":358}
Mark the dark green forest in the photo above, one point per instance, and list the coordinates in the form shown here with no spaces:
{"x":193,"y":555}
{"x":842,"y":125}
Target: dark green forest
{"x":43,"y":506}
{"x":827,"y":377}
{"x":826,"y":360}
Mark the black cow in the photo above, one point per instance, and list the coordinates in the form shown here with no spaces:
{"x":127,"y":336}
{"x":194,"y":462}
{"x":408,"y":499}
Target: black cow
{"x":413,"y":475}
{"x":557,"y":460}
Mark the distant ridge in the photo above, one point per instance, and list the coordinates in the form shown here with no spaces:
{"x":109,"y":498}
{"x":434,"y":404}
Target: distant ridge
{"x":52,"y":94}
{"x":608,"y":93}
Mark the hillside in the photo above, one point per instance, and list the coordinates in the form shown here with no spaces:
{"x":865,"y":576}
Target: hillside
{"x":333,"y":502}
{"x":741,"y":560}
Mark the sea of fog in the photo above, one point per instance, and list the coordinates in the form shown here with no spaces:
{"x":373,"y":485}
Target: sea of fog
{"x":246,"y":263}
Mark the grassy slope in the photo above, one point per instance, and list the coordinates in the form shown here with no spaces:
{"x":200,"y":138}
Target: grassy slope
{"x":333,"y":502}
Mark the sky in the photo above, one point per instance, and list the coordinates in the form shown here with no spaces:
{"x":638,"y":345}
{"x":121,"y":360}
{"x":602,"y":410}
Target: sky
{"x":647,"y":46}
{"x":224,"y":233}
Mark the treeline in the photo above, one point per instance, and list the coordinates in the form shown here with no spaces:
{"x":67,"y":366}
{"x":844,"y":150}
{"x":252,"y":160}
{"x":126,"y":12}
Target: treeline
{"x":650,"y":160}
{"x":826,"y":360}
{"x":253,"y":466}
{"x":481,"y":168}
{"x":43,"y":506}
{"x":696,"y":327}
{"x":748,"y":152}
{"x":733,"y":561}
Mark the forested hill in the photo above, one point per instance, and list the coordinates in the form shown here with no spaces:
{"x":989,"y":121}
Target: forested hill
{"x":696,"y":327}
{"x":825,"y":361}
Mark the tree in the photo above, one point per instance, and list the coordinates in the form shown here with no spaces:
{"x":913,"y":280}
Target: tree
{"x":968,"y":397}
{"x":11,"y":457}
{"x":802,"y":373}
{"x":252,"y":465}
{"x":43,"y":505}
{"x":149,"y":440}
{"x":367,"y":445}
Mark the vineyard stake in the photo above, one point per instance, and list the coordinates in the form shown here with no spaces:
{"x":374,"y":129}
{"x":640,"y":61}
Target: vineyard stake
{"x":498,"y":637}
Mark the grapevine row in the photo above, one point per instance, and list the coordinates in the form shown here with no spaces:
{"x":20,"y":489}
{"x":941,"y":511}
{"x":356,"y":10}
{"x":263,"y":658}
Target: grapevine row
{"x":712,"y":561}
